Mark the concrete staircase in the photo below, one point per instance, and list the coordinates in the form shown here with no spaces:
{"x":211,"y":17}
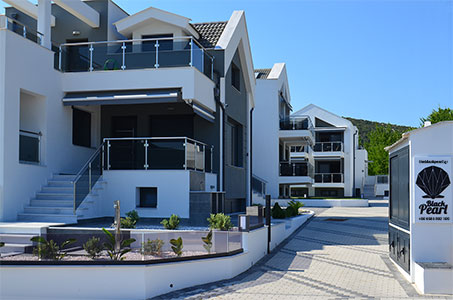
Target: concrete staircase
{"x":368,"y":191}
{"x":54,"y":203}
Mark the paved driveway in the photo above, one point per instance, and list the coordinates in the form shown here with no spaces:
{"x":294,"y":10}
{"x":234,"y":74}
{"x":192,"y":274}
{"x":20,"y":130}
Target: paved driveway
{"x":341,"y":253}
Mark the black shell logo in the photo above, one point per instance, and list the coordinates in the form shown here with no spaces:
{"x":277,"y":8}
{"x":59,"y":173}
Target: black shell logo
{"x":433,"y":181}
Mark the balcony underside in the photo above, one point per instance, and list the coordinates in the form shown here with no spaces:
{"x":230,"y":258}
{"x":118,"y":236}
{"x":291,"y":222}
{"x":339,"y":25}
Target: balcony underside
{"x":195,"y":87}
{"x":295,"y":180}
{"x":335,"y":154}
{"x":296,"y":136}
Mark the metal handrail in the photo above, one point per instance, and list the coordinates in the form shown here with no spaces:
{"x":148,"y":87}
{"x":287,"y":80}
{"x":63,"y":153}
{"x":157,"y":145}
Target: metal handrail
{"x":30,"y":132}
{"x":90,"y":160}
{"x":155,"y":138}
{"x":26,"y":29}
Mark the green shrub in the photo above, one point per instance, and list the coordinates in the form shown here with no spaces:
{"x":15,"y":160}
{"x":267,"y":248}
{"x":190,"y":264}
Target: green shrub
{"x":116,"y":254}
{"x":131,"y":219}
{"x":207,"y":240}
{"x":220,"y":221}
{"x":177,"y":246}
{"x":93,"y":247}
{"x":172,"y":223}
{"x":295,"y":205}
{"x":278,"y":212}
{"x":2,"y":244}
{"x":152,"y":247}
{"x":290,"y":212}
{"x":49,"y":249}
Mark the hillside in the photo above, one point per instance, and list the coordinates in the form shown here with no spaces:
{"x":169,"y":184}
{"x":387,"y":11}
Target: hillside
{"x":365,"y":127}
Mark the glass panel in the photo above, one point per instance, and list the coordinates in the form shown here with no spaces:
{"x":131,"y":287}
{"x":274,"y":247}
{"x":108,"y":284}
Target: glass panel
{"x":326,"y":178}
{"x":28,"y":148}
{"x":301,"y":169}
{"x":96,"y":168}
{"x":198,"y":57}
{"x":336,"y":178}
{"x":318,"y":178}
{"x":190,"y":155}
{"x":207,"y":65}
{"x":176,"y":56}
{"x":140,"y":56}
{"x":107,"y":56}
{"x":336,"y":146}
{"x":166,"y":154}
{"x":75,"y":58}
{"x":286,"y":169}
{"x":207,"y":159}
{"x":199,"y":157}
{"x":81,"y":188}
{"x":327,"y":147}
{"x":317,"y":147}
{"x":127,"y":154}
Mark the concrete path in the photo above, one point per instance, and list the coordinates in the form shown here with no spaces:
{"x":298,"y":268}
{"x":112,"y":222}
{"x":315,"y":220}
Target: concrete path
{"x":340,"y":254}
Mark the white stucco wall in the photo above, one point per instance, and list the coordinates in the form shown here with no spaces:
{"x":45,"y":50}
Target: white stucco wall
{"x":29,"y":67}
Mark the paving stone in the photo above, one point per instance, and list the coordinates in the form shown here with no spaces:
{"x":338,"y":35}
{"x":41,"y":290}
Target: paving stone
{"x":326,"y":259}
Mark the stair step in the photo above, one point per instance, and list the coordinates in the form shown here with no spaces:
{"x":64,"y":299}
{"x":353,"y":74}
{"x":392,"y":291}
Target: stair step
{"x":58,"y":189}
{"x":16,"y":238}
{"x":48,"y":210}
{"x":52,"y":203}
{"x":9,"y":254}
{"x":56,"y":196}
{"x":60,"y":183}
{"x":57,"y":218}
{"x":59,"y":177}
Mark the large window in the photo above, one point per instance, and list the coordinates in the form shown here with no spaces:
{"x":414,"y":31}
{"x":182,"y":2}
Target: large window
{"x":236,"y":143}
{"x":163,"y":44}
{"x":81,"y":128}
{"x":235,"y":77}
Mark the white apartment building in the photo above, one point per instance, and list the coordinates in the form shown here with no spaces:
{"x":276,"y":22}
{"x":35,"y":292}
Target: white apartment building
{"x":309,"y":153}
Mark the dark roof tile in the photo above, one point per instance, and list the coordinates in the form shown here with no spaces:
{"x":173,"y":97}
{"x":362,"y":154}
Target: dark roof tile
{"x":210,"y":33}
{"x":262,"y":73}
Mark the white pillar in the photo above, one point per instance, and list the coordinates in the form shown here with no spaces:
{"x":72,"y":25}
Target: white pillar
{"x":44,"y":22}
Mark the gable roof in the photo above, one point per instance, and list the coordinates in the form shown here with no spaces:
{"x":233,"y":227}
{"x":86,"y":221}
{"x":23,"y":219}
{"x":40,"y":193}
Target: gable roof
{"x":262,"y":73}
{"x":210,"y":32}
{"x":309,"y":107}
{"x":126,"y":26}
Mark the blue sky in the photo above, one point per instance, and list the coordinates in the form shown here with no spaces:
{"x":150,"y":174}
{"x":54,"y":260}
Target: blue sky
{"x":388,"y":61}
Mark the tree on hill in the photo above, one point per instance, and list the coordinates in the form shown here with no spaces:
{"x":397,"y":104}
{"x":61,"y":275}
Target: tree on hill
{"x":379,"y":138}
{"x":439,"y":115}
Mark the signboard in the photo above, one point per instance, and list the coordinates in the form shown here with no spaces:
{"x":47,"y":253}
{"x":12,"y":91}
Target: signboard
{"x":433,"y":190}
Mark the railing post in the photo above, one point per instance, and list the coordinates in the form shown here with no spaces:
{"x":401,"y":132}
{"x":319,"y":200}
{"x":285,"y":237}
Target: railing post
{"x":89,"y":177}
{"x":91,"y":57}
{"x":185,"y":153}
{"x":191,"y":52}
{"x":146,"y":154}
{"x":108,"y":155}
{"x":204,"y":158}
{"x":102,"y":158}
{"x":156,"y":45}
{"x":202,"y":60}
{"x":123,"y":47}
{"x":59,"y":58}
{"x":74,"y":198}
{"x":294,"y":169}
{"x":24,"y":31}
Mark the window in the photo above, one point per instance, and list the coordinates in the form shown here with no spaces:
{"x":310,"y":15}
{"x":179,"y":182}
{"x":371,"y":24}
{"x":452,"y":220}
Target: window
{"x":148,"y":197}
{"x":235,"y":77}
{"x":235,"y":143}
{"x":163,"y":44}
{"x":81,"y":128}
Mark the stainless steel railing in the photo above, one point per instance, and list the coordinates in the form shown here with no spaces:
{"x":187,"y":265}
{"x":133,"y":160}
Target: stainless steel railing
{"x":296,"y":169}
{"x":135,"y":54}
{"x":21,"y":29}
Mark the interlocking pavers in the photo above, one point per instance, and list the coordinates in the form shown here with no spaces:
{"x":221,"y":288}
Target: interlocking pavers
{"x":324,"y":260}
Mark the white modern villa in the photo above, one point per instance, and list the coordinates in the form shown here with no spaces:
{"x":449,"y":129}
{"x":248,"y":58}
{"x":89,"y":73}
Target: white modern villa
{"x":97,"y":105}
{"x":309,"y":153}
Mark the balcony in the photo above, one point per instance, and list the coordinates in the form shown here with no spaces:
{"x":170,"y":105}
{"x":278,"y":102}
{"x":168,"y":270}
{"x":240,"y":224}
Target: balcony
{"x":21,"y":29}
{"x":135,"y":54}
{"x":295,"y":173}
{"x":329,"y":178}
{"x":297,"y":128}
{"x":328,"y":148}
{"x":157,"y":154}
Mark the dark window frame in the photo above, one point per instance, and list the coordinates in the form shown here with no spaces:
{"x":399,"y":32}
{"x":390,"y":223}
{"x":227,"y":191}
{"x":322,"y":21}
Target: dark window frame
{"x":81,"y":133}
{"x":237,"y":142}
{"x":142,"y":193}
{"x":236,"y":77}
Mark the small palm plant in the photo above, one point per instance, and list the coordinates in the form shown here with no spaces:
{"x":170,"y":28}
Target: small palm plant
{"x":113,"y":252}
{"x":177,"y":246}
{"x":49,"y":249}
{"x":207,"y":240}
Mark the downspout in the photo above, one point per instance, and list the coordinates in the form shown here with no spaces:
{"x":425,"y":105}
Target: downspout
{"x":222,"y":106}
{"x":251,"y":154}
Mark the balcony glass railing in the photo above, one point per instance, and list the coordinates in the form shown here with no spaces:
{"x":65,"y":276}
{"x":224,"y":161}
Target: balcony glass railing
{"x":157,"y":153}
{"x":328,"y":147}
{"x":329,"y":178}
{"x":135,"y":54}
{"x":29,"y":146}
{"x":296,"y":169}
{"x":296,"y":123}
{"x":21,"y":29}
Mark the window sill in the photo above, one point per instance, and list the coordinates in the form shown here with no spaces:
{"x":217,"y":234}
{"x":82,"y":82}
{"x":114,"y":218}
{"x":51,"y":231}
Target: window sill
{"x":30,"y":163}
